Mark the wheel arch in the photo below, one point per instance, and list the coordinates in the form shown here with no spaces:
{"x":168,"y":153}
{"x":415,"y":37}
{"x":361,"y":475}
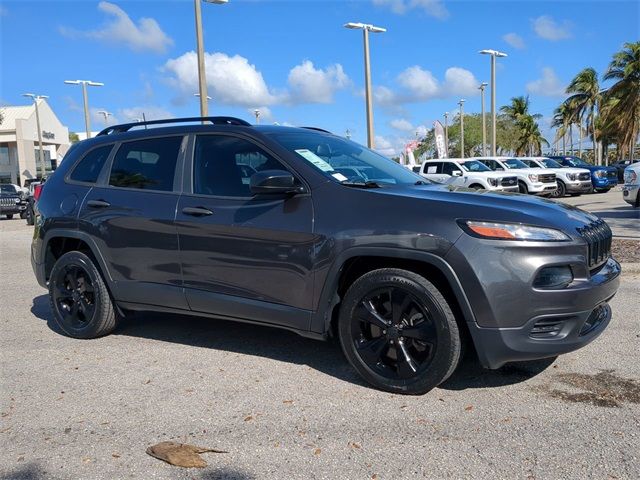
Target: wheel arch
{"x":355,"y":262}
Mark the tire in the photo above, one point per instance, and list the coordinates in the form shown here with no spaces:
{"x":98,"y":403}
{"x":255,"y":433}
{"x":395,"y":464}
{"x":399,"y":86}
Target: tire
{"x":422,"y":330}
{"x":522,"y":187}
{"x":9,"y":216}
{"x":30,"y":219}
{"x":561,"y":191}
{"x":79,"y":298}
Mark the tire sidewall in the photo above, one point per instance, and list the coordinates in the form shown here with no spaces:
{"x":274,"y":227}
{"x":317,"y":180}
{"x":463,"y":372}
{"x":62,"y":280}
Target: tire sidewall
{"x":79,"y":259}
{"x":440,"y":366}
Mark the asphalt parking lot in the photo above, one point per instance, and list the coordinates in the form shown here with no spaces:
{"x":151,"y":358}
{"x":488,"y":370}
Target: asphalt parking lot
{"x":288,"y":407}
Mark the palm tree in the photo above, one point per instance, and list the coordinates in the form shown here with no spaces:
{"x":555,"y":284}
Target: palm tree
{"x":530,"y":139}
{"x":561,"y":120}
{"x":586,"y":97}
{"x":624,"y":109}
{"x":519,"y":108}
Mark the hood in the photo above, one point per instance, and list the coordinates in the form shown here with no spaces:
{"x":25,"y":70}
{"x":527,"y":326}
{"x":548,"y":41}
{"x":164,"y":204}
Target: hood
{"x":485,"y":205}
{"x":568,"y":170}
{"x":595,"y":168}
{"x":491,"y":174}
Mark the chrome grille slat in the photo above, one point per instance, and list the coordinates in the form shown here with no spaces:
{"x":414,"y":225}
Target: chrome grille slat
{"x":547,"y":177}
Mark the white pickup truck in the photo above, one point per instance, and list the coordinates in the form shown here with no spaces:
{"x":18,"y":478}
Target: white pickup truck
{"x":467,"y":173}
{"x":574,"y":181}
{"x":530,"y":180}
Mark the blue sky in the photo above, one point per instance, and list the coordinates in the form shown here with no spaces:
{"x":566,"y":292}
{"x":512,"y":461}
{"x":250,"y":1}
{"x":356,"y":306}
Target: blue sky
{"x":295,"y":62}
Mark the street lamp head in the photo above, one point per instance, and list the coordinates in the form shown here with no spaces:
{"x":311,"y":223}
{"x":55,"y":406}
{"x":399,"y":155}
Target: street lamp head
{"x":72,"y":82}
{"x":94,"y":84}
{"x":217,"y":2}
{"x":31,"y":95}
{"x":462,"y":100}
{"x":365,"y":26}
{"x":493,"y":52}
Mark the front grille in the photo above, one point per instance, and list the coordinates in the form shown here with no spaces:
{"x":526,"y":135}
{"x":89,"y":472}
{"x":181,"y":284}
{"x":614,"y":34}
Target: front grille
{"x":7,"y":201}
{"x":509,"y":181}
{"x":547,"y":177}
{"x":598,"y":237}
{"x":612,"y":174}
{"x":584,"y":176}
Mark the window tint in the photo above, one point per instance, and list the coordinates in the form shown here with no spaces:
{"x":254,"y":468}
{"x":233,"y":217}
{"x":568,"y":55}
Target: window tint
{"x":432,"y":167}
{"x":146,"y":164}
{"x":448,"y":168}
{"x":223,"y":165}
{"x":88,"y":169}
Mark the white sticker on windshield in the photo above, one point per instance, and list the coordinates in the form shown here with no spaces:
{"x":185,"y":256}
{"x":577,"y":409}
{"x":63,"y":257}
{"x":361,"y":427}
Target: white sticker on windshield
{"x":338,"y":176}
{"x":432,"y":169}
{"x":311,"y":157}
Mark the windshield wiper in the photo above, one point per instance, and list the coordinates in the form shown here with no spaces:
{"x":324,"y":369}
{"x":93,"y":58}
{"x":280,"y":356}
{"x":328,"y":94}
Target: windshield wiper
{"x":367,"y":184}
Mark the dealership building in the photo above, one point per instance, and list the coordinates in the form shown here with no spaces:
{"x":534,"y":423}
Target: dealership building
{"x":19,"y":148}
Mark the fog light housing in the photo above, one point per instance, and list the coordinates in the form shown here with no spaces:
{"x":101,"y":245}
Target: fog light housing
{"x":599,"y":315}
{"x":554,"y":277}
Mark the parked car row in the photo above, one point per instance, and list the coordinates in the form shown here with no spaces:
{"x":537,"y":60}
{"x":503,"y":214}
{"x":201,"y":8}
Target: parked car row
{"x":553,"y":176}
{"x":631,"y":187}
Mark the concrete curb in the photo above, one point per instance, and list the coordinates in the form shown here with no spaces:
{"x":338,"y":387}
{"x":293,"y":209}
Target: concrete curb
{"x":630,"y":267}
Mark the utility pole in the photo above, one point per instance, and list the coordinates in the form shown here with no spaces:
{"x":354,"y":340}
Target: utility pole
{"x":461,"y":103}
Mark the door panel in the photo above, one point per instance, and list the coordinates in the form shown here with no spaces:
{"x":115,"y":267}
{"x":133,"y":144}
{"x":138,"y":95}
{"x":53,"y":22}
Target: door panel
{"x":244,"y":253}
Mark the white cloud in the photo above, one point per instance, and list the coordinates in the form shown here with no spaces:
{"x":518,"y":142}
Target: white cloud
{"x":384,"y":146}
{"x":311,"y":85}
{"x":120,"y":29}
{"x":514,"y":40}
{"x":549,"y":85}
{"x":149,"y":112}
{"x":231,"y":80}
{"x":420,"y":85}
{"x":401,"y":124}
{"x":433,"y":8}
{"x":546,"y":27}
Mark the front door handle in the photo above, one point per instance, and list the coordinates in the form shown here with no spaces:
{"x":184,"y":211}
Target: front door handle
{"x":197,"y":211}
{"x":98,"y":204}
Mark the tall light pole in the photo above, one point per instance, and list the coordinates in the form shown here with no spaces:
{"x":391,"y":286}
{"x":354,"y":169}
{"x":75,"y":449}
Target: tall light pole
{"x":446,"y":129}
{"x":202,"y":74}
{"x":366,"y":28}
{"x":35,"y":98}
{"x":348,"y":134}
{"x":85,"y":98}
{"x":256,"y":112}
{"x":461,"y":103}
{"x":106,"y":116}
{"x":494,"y":54}
{"x":484,"y":119}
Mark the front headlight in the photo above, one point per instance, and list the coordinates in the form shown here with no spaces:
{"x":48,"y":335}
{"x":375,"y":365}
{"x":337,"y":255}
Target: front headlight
{"x":572,"y":176}
{"x":17,"y":201}
{"x":533,"y":177}
{"x":512,"y":231}
{"x":601,"y":173}
{"x":630,"y":176}
{"x":493,"y":182}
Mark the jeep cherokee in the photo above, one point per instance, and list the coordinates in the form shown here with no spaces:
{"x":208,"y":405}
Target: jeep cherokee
{"x":301,"y":229}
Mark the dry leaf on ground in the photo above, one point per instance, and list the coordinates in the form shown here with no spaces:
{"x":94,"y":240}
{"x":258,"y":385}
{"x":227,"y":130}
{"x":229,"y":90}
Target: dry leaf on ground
{"x":181,"y":454}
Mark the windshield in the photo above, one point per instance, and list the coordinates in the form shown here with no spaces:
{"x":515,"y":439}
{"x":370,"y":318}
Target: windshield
{"x":551,"y":163}
{"x":7,"y":189}
{"x":474,"y":166}
{"x":514,"y":164}
{"x":579,"y":163}
{"x":346,"y":161}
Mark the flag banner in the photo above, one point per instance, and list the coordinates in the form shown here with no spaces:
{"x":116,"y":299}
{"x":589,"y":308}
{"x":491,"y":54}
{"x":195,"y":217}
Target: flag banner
{"x":441,"y":144}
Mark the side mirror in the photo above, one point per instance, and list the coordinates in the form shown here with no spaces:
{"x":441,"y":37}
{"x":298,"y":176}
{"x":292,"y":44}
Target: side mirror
{"x":456,"y":173}
{"x":273,"y":182}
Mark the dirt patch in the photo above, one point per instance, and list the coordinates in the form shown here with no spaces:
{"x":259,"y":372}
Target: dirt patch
{"x":604,"y":389}
{"x":624,"y":250}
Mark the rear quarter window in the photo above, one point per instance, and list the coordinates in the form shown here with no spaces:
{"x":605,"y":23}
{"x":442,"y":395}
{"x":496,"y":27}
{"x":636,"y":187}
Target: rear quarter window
{"x":88,"y":169}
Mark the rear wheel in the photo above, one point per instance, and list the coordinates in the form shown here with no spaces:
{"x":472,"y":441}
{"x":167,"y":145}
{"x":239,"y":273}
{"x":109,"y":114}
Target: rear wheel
{"x":522,"y":187}
{"x":398,"y":331}
{"x":79,"y":298}
{"x":561,"y":191}
{"x":30,"y":220}
{"x":9,"y":216}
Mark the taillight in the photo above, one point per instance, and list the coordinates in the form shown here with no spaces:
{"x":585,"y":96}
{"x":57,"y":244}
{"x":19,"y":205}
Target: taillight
{"x":37,"y":191}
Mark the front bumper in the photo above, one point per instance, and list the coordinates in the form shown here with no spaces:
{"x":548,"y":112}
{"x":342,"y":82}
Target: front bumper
{"x":540,"y":188}
{"x":13,"y":209}
{"x":579,"y":187}
{"x":497,"y":346}
{"x":630,"y":193}
{"x":604,"y":182}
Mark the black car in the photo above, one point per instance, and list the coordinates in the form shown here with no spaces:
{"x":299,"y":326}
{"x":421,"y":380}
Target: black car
{"x":620,"y":165}
{"x":402,"y":271}
{"x":12,"y":200}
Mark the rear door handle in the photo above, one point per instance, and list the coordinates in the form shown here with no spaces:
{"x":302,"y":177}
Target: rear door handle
{"x":197,"y":211}
{"x":98,"y":204}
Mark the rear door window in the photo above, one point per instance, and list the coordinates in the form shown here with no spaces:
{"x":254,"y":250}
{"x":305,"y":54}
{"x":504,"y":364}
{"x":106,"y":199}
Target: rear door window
{"x":148,"y":164}
{"x":88,"y":169}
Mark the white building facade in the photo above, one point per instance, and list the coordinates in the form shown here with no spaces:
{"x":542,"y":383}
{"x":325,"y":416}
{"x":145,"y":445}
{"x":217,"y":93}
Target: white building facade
{"x":19,"y":148}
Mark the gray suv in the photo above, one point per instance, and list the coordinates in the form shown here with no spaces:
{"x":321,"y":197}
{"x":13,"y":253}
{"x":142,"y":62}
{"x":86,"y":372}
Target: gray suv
{"x":300,"y":229}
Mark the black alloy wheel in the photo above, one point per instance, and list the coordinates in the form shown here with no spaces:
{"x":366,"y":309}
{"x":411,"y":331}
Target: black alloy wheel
{"x":398,"y":331}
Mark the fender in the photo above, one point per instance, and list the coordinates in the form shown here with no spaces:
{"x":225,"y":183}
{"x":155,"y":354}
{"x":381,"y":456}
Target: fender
{"x":321,"y":319}
{"x":86,"y":238}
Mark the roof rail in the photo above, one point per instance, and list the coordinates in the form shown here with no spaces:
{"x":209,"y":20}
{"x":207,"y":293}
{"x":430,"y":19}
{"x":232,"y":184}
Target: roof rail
{"x":317,"y":129}
{"x":125,"y":127}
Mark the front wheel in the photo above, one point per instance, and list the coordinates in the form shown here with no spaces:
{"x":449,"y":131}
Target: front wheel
{"x":522,"y":188}
{"x":398,"y":331}
{"x":30,"y":219}
{"x":79,"y":298}
{"x":561,"y":191}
